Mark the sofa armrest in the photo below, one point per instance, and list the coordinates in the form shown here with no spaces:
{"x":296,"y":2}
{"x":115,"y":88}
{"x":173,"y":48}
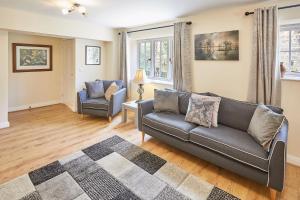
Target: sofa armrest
{"x":144,"y":108}
{"x":81,"y":96}
{"x":277,"y":158}
{"x":116,"y":100}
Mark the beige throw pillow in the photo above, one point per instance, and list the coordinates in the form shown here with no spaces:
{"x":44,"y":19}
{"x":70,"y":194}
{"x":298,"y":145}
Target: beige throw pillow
{"x":265,"y":125}
{"x":111,"y":90}
{"x":216,"y":101}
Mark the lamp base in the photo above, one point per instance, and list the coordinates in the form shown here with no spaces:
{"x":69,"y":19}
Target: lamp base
{"x":140,"y":91}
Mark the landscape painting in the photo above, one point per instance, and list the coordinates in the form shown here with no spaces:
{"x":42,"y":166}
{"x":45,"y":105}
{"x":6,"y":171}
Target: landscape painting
{"x":217,"y":46}
{"x":30,"y":57}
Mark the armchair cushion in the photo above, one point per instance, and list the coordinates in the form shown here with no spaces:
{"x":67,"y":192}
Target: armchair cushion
{"x":97,"y":104}
{"x":107,"y":83}
{"x":111,"y":90}
{"x":95,"y":89}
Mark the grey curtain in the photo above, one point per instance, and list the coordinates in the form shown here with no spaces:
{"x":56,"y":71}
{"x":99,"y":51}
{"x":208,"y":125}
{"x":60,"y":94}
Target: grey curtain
{"x":123,"y":59}
{"x":182,"y":69}
{"x":265,"y":72}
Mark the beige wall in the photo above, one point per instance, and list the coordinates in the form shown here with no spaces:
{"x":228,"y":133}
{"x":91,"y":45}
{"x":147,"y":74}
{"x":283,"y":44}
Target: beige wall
{"x":68,"y":62}
{"x":88,"y":72}
{"x":290,"y":104}
{"x":35,"y":88}
{"x":3,"y":79}
{"x":231,"y":78}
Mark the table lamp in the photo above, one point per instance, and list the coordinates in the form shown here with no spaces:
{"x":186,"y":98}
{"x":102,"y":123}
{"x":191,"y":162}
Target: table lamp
{"x":140,"y":78}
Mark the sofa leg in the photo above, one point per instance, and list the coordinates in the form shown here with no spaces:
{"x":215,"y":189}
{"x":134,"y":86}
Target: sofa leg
{"x":273,"y":194}
{"x":143,"y":137}
{"x":109,"y":119}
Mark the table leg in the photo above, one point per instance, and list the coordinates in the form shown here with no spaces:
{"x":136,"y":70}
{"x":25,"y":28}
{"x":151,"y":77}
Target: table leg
{"x":124,"y":114}
{"x":136,"y":119}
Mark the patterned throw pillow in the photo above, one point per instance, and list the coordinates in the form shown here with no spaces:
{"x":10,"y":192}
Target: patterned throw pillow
{"x":216,"y":101}
{"x":111,"y":90}
{"x":200,"y":112}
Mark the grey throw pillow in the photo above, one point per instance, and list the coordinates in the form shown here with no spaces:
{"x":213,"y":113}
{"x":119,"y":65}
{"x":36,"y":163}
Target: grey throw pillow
{"x":95,"y":89}
{"x":265,"y":125}
{"x":200,"y":112}
{"x":165,"y":101}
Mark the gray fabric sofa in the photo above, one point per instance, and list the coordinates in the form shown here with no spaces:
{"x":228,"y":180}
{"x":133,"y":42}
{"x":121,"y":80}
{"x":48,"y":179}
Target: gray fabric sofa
{"x":100,"y":106}
{"x":228,"y":146}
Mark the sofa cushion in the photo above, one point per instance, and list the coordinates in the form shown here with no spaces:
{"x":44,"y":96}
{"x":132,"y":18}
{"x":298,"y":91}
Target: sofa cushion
{"x":98,"y":104}
{"x":236,"y":144}
{"x":238,"y":114}
{"x":169,"y":123}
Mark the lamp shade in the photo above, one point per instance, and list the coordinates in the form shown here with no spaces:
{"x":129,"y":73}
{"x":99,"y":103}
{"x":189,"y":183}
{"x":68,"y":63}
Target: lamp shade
{"x":140,"y":76}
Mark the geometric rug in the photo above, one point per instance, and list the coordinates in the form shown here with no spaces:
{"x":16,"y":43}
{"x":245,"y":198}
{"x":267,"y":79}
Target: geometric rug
{"x":113,"y":169}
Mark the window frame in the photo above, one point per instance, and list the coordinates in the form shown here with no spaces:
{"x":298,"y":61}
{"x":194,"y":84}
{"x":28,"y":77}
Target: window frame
{"x":289,"y":28}
{"x":152,"y":49}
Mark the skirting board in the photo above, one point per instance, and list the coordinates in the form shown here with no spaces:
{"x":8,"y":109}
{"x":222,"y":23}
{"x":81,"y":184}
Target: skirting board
{"x":4,"y":125}
{"x":294,"y":160}
{"x":35,"y":105}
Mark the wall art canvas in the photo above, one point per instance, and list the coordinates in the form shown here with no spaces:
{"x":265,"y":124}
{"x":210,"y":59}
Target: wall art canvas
{"x":31,"y":57}
{"x":92,"y":55}
{"x":217,"y":46}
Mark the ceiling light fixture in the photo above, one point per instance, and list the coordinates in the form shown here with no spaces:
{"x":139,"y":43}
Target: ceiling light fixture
{"x":75,"y":7}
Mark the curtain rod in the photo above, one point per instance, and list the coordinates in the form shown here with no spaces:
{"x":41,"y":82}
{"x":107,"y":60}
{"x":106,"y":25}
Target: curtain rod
{"x":280,"y":8}
{"x":159,"y":27}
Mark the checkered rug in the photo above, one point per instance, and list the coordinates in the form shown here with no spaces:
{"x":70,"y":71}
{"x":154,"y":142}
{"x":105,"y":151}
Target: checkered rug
{"x":113,"y":169}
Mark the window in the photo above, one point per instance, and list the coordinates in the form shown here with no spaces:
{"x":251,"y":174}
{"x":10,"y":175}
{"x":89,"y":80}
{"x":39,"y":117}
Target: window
{"x":156,"y":56}
{"x":290,"y":48}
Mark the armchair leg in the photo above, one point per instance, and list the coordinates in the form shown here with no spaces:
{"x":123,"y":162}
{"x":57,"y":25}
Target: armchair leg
{"x":109,"y":119}
{"x":273,"y":194}
{"x":143,"y":137}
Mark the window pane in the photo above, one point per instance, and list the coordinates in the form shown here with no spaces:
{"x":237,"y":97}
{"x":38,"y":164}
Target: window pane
{"x":164,"y":60}
{"x":157,"y":59}
{"x":142,"y":55}
{"x":284,"y":57}
{"x":148,"y":59}
{"x":295,"y":37}
{"x":284,"y":40}
{"x":295,"y":62}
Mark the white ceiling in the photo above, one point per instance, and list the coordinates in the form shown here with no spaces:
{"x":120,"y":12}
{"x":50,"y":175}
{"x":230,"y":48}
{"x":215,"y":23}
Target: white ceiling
{"x":122,"y":13}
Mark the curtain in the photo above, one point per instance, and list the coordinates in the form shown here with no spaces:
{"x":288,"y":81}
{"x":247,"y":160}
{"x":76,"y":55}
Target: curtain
{"x":182,"y":72}
{"x":123,"y":59}
{"x":265,"y":72}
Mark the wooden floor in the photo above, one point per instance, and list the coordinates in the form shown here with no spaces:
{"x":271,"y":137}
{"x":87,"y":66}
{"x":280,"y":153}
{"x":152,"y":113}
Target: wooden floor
{"x":43,"y":135}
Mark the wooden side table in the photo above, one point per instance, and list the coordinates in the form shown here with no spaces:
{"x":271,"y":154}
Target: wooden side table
{"x":130,"y":105}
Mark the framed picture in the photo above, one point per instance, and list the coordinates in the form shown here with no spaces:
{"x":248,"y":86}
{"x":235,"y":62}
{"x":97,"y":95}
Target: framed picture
{"x":217,"y":46}
{"x":31,"y":57}
{"x":92,"y":55}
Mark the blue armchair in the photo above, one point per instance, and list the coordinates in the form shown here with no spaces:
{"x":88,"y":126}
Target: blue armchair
{"x":100,"y":106}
